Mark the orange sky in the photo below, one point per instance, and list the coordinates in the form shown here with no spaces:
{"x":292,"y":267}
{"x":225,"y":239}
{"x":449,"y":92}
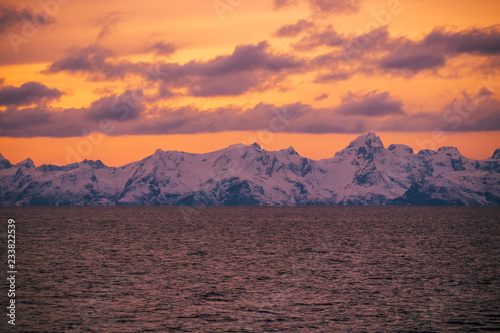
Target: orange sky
{"x":227,"y":68}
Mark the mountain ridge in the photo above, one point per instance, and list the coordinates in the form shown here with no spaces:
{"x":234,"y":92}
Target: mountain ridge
{"x":363,"y":173}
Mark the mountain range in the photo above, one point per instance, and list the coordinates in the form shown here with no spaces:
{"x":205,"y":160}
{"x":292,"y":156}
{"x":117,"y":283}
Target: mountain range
{"x":364,"y":173}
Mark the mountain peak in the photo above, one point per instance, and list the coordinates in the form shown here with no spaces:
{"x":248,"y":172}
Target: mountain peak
{"x":27,"y":163}
{"x":449,"y":150}
{"x":158,"y":151}
{"x":4,"y":163}
{"x":369,"y":139}
{"x":94,"y":164}
{"x":364,"y":174}
{"x":496,"y":155}
{"x":256,"y":146}
{"x":364,"y":145}
{"x":290,"y":151}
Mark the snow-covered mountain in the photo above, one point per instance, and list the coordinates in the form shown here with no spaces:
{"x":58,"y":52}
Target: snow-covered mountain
{"x":364,"y":173}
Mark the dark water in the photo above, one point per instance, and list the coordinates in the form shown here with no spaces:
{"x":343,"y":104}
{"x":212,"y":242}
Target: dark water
{"x":336,"y":269}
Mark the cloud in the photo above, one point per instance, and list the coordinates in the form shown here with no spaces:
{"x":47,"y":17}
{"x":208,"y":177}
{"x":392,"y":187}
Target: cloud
{"x":41,"y":121}
{"x":438,"y":46}
{"x":346,"y":54}
{"x":292,"y":30}
{"x":372,"y":104}
{"x":357,"y":113}
{"x":248,"y":67}
{"x":162,"y":48}
{"x":46,"y":121}
{"x":336,"y":6}
{"x":412,"y":62}
{"x":284,"y":3}
{"x":333,"y":76}
{"x":243,"y":58}
{"x":321,"y":97}
{"x":189,"y":120}
{"x":106,"y":22}
{"x":323,"y":6}
{"x":227,"y":85}
{"x":11,"y":17}
{"x":485,"y":41}
{"x":468,"y":113}
{"x":125,"y":107}
{"x":320,"y":37}
{"x":28,"y":93}
{"x":375,"y":52}
{"x":95,"y":61}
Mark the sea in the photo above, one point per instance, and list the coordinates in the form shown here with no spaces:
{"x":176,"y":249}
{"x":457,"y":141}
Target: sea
{"x":253,"y":269}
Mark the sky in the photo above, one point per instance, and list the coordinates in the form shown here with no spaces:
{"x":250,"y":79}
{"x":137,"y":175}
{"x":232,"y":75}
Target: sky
{"x":116,"y":80}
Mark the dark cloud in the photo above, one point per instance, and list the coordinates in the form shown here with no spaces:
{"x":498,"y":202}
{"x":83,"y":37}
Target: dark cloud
{"x":372,"y":51}
{"x":292,"y":30}
{"x":479,"y":112}
{"x":358,"y":113}
{"x":190,"y":120}
{"x":485,"y":41}
{"x":320,"y":37}
{"x":15,"y":121}
{"x":346,"y":55}
{"x":243,"y":58}
{"x":372,"y":104}
{"x":438,"y":46}
{"x":486,"y":118}
{"x":162,"y":48}
{"x":127,"y":106}
{"x":355,"y":53}
{"x":28,"y":93}
{"x":95,"y":61}
{"x":248,"y":67}
{"x":469,"y":113}
{"x":230,"y":85}
{"x":321,"y":97}
{"x":42,"y":121}
{"x":333,"y":76}
{"x":323,"y":6}
{"x":11,"y":17}
{"x":412,"y":62}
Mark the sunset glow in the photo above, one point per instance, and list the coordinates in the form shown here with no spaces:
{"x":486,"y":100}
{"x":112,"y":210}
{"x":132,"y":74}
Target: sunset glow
{"x":115,"y":80}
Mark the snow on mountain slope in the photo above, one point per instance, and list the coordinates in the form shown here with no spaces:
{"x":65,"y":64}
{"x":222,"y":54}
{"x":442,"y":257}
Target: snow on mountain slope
{"x":364,"y":173}
{"x":238,"y":174}
{"x":4,"y":163}
{"x":367,"y":173}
